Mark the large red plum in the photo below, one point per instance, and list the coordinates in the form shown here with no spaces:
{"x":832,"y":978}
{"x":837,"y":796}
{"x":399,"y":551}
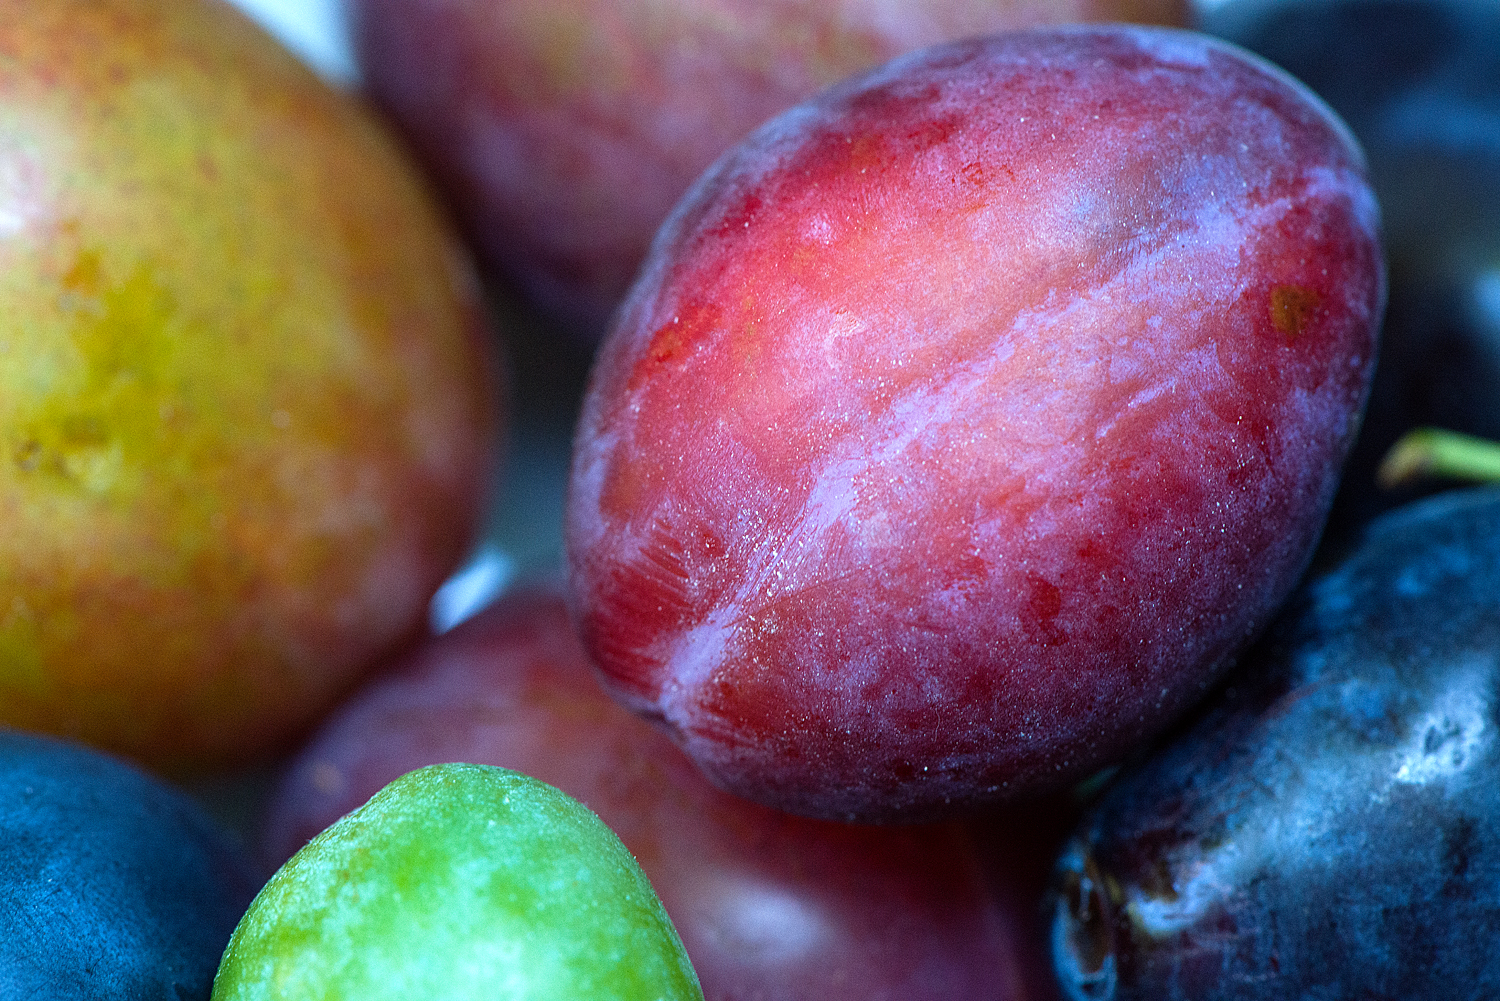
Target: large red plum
{"x":966,"y":420}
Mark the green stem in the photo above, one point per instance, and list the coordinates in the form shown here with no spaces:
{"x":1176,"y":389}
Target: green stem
{"x":1433,"y":452}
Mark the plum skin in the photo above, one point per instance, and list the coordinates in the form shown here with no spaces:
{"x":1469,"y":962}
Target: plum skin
{"x":1440,"y":205}
{"x":966,"y":420}
{"x":565,"y":130}
{"x":1327,"y":826}
{"x":114,"y":886}
{"x":769,"y":906}
{"x":249,"y":397}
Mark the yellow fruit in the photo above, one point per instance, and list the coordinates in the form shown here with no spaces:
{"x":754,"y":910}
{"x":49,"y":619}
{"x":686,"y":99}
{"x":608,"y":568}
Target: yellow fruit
{"x":247,"y":403}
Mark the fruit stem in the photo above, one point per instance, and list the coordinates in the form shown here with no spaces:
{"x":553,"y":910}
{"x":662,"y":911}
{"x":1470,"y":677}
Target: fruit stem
{"x":1433,"y":452}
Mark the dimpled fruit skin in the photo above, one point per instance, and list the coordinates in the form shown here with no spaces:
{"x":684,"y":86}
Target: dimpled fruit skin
{"x":566,"y":129}
{"x":1331,"y":828}
{"x":965,"y":421}
{"x":246,"y":398}
{"x":462,"y":882}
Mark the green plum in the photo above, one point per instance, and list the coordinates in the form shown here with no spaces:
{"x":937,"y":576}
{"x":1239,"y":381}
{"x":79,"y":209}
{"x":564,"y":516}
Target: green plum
{"x":247,"y":406}
{"x":459,"y":881}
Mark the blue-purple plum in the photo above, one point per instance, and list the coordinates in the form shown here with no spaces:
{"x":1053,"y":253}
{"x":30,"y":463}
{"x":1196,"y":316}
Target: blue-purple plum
{"x":1330,"y":828}
{"x":113,"y":885}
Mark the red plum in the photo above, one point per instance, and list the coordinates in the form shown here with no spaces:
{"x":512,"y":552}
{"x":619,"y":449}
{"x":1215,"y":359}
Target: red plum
{"x":565,"y":130}
{"x":968,"y":419}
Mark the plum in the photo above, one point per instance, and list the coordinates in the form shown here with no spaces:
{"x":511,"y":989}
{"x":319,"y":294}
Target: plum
{"x":564,"y":130}
{"x":462,"y":882}
{"x":248,"y":409}
{"x":768,"y":906}
{"x":1330,"y":828}
{"x":113,"y":885}
{"x":1418,"y":82}
{"x":968,"y":419}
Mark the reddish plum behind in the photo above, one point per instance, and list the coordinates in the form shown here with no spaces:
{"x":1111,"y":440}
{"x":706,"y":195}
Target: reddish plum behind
{"x":565,"y":130}
{"x":967,"y":420}
{"x":770,"y":907}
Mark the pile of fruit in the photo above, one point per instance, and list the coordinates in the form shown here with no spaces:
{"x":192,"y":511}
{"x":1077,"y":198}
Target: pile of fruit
{"x":972,"y":580}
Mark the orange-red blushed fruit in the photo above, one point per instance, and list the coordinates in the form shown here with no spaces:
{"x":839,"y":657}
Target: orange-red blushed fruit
{"x":246,"y":396}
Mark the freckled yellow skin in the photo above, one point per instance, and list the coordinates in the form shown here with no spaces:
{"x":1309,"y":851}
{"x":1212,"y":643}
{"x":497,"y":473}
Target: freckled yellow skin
{"x":246,"y":401}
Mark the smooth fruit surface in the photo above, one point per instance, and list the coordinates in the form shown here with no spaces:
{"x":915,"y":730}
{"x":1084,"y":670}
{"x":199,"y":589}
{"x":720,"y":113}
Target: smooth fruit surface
{"x":967,"y":420}
{"x":1329,"y":828}
{"x":769,"y":906}
{"x":113,"y":886}
{"x":246,"y":405}
{"x":565,"y":130}
{"x":459,"y":882}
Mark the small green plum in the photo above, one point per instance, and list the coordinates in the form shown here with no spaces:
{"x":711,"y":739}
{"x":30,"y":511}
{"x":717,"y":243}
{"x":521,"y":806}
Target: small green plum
{"x":459,"y":881}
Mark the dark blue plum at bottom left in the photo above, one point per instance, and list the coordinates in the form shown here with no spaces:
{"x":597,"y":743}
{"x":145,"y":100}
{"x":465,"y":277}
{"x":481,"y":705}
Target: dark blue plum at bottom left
{"x":113,"y":885}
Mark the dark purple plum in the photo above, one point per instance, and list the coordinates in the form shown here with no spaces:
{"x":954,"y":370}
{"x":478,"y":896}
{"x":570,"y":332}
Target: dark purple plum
{"x":113,"y":885}
{"x":1330,"y":829}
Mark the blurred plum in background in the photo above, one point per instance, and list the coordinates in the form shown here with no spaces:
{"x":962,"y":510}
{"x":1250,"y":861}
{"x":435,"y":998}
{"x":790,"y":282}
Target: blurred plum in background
{"x":770,"y":907}
{"x":564,"y":130}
